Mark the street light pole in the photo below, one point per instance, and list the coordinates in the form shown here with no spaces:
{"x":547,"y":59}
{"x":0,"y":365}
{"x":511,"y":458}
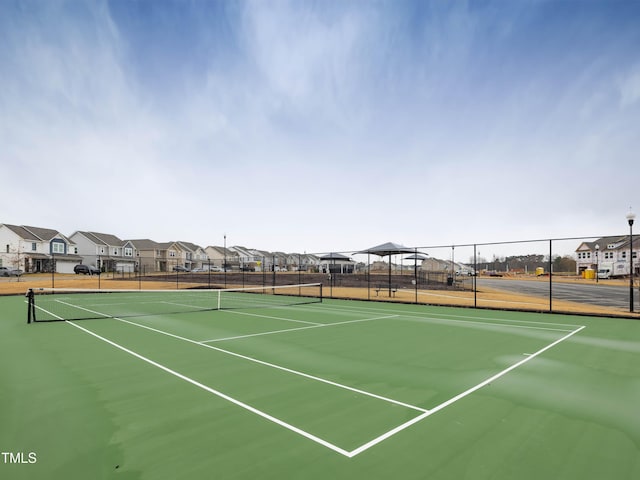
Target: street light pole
{"x":630,"y":218}
{"x":597,"y":261}
{"x":225,"y":260}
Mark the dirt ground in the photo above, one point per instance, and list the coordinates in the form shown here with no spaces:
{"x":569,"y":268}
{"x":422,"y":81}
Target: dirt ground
{"x":486,"y":297}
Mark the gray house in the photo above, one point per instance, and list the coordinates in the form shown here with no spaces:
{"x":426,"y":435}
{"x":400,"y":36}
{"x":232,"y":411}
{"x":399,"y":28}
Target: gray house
{"x":105,"y":251}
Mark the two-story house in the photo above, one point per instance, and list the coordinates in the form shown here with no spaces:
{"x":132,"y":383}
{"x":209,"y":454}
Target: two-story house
{"x":610,"y":253}
{"x":105,"y":251}
{"x":192,"y":255}
{"x":219,"y":256}
{"x":35,"y":249}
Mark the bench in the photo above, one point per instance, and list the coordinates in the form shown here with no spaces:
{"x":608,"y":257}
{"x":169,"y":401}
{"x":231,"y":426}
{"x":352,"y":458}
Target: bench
{"x":385,"y":288}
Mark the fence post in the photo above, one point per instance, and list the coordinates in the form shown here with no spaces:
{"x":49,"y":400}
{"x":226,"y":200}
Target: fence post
{"x":550,"y":276}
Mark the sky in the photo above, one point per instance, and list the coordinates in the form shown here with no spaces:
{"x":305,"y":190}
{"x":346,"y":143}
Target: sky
{"x":321,"y":126}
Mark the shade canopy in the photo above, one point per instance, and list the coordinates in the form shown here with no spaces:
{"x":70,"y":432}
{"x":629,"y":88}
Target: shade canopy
{"x":335,"y":256}
{"x":419,"y":256}
{"x":388,"y":248}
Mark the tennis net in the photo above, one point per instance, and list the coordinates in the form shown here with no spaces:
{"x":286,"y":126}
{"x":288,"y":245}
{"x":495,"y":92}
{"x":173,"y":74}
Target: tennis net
{"x":59,"y":304}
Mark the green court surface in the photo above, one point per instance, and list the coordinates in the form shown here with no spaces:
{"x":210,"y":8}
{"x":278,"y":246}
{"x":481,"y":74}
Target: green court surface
{"x":331,"y":390}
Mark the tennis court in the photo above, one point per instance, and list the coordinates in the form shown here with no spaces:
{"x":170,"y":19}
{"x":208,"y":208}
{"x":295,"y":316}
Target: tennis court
{"x":309,"y":389}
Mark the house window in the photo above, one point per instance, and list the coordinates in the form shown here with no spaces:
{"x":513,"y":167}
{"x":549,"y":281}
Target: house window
{"x":34,"y":246}
{"x":57,"y":247}
{"x":172,"y":253}
{"x":128,"y":252}
{"x":624,"y":255}
{"x":7,"y":248}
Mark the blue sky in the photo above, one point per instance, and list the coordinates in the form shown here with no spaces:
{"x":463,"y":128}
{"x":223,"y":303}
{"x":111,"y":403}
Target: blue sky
{"x":321,"y":125}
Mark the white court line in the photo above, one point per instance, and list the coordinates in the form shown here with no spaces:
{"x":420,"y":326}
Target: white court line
{"x":366,"y":309}
{"x":492,"y":321}
{"x":484,"y":299}
{"x":452,"y":400}
{"x":317,"y":325}
{"x":273,"y":318}
{"x":262,"y":362}
{"x":360,"y":449}
{"x":271,"y":418}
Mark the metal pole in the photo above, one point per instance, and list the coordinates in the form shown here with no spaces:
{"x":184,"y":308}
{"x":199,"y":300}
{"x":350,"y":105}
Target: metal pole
{"x":389,"y":275}
{"x":225,"y":260}
{"x":368,"y":276}
{"x":550,"y":275}
{"x":415,"y":271}
{"x":475,"y":278}
{"x":630,"y":217}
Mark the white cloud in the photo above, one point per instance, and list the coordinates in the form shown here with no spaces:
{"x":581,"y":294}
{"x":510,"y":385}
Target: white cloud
{"x":338,"y":126}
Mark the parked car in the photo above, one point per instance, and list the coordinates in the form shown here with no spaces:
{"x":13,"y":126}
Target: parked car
{"x":180,"y":268}
{"x":199,"y":270}
{"x":86,"y":269}
{"x":10,"y":272}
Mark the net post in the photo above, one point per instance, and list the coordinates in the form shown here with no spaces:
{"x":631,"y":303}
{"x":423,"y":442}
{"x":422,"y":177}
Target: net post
{"x":31,"y":310}
{"x":321,"y":293}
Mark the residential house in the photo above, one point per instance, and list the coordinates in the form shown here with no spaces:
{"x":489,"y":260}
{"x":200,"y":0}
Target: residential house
{"x":192,"y":255}
{"x":219,"y":256}
{"x":175,"y":256}
{"x":432,"y":264}
{"x":307,"y":262}
{"x":610,"y":251}
{"x":35,"y":249}
{"x":105,"y":251}
{"x":281,"y":262}
{"x":151,"y":255}
{"x":264,"y":260}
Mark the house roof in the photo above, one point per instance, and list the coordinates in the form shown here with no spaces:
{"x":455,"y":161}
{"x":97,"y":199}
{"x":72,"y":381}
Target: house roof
{"x":189,"y":246}
{"x":36,"y":233}
{"x":22,"y":232}
{"x":102,"y":238}
{"x":620,"y":241}
{"x":145,"y":244}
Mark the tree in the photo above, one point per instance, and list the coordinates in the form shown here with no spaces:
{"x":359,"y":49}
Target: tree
{"x":564,"y":264}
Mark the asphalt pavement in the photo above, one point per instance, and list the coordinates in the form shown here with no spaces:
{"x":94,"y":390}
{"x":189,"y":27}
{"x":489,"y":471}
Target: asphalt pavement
{"x":601,"y":293}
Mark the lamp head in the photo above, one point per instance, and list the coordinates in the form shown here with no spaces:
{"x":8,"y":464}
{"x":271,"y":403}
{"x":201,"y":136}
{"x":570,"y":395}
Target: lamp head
{"x":631,"y":217}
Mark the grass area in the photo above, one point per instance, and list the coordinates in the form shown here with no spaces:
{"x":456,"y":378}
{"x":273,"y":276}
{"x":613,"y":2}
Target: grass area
{"x":341,"y":389}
